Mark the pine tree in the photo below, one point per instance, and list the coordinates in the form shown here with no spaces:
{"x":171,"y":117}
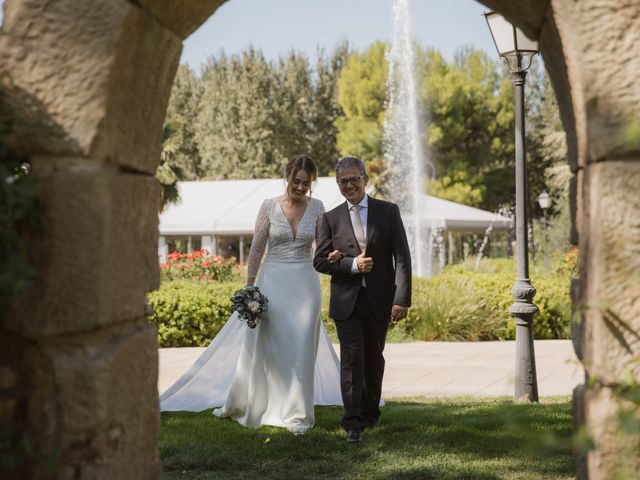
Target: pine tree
{"x":180,"y":158}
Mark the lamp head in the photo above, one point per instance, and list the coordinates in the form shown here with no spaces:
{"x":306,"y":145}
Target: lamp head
{"x":511,"y":43}
{"x":544,"y":200}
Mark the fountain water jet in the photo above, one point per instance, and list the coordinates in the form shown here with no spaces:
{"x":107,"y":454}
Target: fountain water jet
{"x":403,"y":150}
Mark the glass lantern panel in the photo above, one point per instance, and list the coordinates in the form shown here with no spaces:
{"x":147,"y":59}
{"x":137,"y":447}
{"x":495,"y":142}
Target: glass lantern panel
{"x":524,"y":43}
{"x":502,"y":32}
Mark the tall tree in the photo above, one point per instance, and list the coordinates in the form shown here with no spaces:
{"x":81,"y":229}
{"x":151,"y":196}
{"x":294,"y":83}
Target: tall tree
{"x":238,"y":117}
{"x":326,"y":108}
{"x":362,"y":96}
{"x":180,"y":159}
{"x":254,"y":113}
{"x":293,"y":102}
{"x":469,"y":108}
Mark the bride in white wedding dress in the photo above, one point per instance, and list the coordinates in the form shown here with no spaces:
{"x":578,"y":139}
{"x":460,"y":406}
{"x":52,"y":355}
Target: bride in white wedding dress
{"x":275,"y":373}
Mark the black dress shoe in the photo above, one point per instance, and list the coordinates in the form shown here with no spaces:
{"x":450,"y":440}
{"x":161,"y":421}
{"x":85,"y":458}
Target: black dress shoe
{"x":371,"y":424}
{"x":354,"y":436}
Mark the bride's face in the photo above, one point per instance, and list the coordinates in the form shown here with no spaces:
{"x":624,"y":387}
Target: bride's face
{"x":299,"y":185}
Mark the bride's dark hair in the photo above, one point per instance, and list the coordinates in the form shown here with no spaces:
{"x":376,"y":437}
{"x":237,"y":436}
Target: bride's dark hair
{"x":301,"y":162}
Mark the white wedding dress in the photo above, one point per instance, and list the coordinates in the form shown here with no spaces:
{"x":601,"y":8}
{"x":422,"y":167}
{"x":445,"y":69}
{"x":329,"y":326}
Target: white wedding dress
{"x":275,"y":373}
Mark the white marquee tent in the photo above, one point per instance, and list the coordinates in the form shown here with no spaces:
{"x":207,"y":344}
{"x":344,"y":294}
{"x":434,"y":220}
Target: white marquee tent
{"x":209,"y":210}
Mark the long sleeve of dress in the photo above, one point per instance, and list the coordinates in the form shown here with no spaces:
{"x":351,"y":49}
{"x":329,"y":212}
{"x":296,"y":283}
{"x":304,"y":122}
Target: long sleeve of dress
{"x":259,"y":242}
{"x":319,"y":211}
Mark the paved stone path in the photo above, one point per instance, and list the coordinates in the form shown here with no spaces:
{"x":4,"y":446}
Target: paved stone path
{"x":443,"y":369}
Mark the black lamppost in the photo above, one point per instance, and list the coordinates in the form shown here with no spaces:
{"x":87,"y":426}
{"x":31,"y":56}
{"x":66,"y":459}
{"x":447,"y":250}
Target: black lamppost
{"x":518,"y":51}
{"x":544,"y":200}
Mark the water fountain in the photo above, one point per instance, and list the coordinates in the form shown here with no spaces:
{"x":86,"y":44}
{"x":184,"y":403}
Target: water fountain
{"x":402,"y":146}
{"x":483,"y":245}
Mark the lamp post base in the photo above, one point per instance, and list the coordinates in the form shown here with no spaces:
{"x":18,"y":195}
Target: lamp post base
{"x":523,"y":310}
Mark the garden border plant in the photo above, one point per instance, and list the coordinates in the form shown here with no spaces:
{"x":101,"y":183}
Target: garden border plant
{"x":460,"y":304}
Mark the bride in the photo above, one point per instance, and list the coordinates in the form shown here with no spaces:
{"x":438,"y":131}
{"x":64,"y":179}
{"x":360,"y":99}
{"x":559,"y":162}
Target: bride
{"x":275,"y":373}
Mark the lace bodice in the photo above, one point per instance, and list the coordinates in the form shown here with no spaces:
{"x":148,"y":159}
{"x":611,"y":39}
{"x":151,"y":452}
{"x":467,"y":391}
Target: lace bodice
{"x":273,"y":233}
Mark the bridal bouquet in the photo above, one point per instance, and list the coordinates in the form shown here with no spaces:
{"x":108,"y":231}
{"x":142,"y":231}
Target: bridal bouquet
{"x":250,"y":305}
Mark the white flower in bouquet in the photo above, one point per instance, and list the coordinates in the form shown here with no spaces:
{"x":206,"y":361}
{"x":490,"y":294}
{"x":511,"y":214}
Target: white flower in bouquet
{"x":253,"y":306}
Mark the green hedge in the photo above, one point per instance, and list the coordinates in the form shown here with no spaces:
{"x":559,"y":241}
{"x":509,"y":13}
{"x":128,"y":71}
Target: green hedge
{"x":190,"y":313}
{"x":460,"y":304}
{"x":463,"y":305}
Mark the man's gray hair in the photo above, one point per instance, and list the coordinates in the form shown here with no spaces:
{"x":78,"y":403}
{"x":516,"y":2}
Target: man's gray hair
{"x":346,"y":162}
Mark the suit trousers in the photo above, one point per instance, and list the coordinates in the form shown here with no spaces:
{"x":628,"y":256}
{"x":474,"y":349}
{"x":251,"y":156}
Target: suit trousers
{"x":362,"y":338}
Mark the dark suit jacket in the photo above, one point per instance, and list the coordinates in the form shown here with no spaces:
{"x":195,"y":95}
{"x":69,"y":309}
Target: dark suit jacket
{"x":389,"y":282}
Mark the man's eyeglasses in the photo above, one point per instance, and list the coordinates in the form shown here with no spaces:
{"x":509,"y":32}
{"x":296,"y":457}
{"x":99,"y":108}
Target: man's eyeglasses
{"x":343,"y":182}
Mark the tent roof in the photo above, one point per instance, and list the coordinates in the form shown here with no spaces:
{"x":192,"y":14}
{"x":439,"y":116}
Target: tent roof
{"x":230,"y":207}
{"x":456,"y":216}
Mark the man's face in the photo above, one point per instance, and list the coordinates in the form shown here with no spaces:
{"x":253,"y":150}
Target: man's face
{"x":352,"y":183}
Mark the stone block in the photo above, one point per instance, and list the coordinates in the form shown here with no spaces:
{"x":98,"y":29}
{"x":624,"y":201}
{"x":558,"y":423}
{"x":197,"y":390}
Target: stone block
{"x":616,"y":454}
{"x":103,"y":420}
{"x":600,"y":40}
{"x":182,"y":17}
{"x":7,"y":407}
{"x":88,"y":78}
{"x":611,"y":289}
{"x":7,"y":377}
{"x":577,"y":319}
{"x":100,"y":254}
{"x":582,"y":472}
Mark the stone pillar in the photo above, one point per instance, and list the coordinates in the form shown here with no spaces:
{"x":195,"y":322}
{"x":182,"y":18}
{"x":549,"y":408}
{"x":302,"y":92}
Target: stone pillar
{"x":214,"y":245}
{"x":207,"y":244}
{"x":591,"y":50}
{"x":84,"y":86}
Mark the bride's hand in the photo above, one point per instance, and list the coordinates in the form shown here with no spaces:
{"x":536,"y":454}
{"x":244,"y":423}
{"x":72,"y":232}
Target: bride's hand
{"x":334,"y":256}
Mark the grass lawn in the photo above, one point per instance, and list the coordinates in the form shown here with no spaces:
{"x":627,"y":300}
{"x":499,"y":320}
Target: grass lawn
{"x":463,"y":438}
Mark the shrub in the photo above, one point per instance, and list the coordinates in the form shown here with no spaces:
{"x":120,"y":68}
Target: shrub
{"x":467,"y":304}
{"x":451,"y":309}
{"x":197,"y":266}
{"x":460,"y":304}
{"x":190,"y":313}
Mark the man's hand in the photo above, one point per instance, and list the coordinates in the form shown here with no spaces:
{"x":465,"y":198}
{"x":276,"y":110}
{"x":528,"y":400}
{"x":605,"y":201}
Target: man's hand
{"x":334,"y":256}
{"x":398,"y":312}
{"x":365,"y":264}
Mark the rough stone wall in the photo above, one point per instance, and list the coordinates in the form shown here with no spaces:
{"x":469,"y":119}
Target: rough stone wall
{"x":84,"y":86}
{"x":591,"y":50}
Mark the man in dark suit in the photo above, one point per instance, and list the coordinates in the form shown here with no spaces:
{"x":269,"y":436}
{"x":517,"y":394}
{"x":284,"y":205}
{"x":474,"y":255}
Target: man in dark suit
{"x":370,"y":286}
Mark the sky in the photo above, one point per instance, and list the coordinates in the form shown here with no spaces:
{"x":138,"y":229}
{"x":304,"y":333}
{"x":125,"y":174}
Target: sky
{"x":277,"y":26}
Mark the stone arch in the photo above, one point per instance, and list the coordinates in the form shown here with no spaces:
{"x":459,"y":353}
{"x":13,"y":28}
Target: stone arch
{"x":84,"y":86}
{"x":590,"y":49}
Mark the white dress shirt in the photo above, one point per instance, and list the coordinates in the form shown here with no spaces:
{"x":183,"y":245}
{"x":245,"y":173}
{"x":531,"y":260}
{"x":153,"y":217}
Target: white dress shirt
{"x":364,"y":204}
